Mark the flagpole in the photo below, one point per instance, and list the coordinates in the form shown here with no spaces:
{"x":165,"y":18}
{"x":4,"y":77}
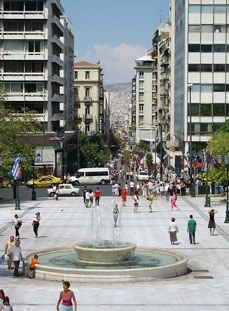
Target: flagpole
{"x":207,"y":198}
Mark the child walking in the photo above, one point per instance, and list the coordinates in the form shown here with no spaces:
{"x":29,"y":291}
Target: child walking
{"x":32,"y":266}
{"x":174,"y":199}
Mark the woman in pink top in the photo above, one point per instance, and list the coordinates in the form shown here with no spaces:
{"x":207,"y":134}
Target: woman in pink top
{"x":66,"y":297}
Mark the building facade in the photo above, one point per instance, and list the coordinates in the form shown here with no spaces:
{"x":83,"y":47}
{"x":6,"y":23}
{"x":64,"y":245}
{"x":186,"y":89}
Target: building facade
{"x":201,"y":87}
{"x":88,"y":83}
{"x":32,"y":59}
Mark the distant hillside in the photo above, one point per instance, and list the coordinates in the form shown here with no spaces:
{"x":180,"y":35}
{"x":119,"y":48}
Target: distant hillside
{"x":117,"y":87}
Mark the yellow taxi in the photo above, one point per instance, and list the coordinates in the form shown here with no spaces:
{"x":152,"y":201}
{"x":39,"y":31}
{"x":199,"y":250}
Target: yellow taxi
{"x":44,"y":181}
{"x":7,"y":183}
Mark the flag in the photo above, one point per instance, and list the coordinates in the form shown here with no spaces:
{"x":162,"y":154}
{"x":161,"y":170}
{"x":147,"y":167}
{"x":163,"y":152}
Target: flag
{"x":213,"y":162}
{"x":204,"y":163}
{"x":16,"y":168}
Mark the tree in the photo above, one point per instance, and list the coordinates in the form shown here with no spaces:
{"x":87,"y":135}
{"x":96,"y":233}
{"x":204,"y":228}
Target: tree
{"x":219,"y":144}
{"x":93,"y":150}
{"x":144,"y":145}
{"x":126,"y":156}
{"x":149,"y":159}
{"x":12,"y":126}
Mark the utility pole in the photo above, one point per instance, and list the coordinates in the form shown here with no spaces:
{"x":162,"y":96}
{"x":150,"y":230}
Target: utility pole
{"x":78,"y":147}
{"x":192,"y":187}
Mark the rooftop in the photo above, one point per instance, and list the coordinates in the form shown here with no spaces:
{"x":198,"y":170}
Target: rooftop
{"x":85,"y":64}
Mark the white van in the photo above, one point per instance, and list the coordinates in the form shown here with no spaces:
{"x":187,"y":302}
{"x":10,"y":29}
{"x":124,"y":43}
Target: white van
{"x":91,"y":176}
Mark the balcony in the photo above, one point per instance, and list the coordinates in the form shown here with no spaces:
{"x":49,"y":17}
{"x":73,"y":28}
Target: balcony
{"x":10,"y":55}
{"x":29,"y":76}
{"x":25,"y":35}
{"x":58,"y":116}
{"x":24,"y":14}
{"x":36,"y":96}
{"x":87,"y":99}
{"x":88,"y":117}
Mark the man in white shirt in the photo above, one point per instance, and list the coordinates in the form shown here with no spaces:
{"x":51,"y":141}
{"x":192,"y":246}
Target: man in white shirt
{"x":131,"y":188}
{"x":9,"y":244}
{"x":16,"y":256}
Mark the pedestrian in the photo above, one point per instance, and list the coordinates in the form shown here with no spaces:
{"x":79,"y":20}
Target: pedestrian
{"x":144,"y":190}
{"x":167,"y":192}
{"x":32,"y":266}
{"x":173,"y":230}
{"x":131,"y":176}
{"x":8,"y":246}
{"x":65,"y":299}
{"x":211,"y":224}
{"x":127,"y":175}
{"x":191,"y":229}
{"x":113,"y":190}
{"x":97,"y":196}
{"x":123,"y":195}
{"x":54,"y":192}
{"x":91,"y":198}
{"x":2,"y":295}
{"x":136,"y":199}
{"x":36,"y":223}
{"x":84,"y":194}
{"x":6,"y":306}
{"x":151,"y":197}
{"x":116,"y":188}
{"x":161,"y":190}
{"x":17,"y":223}
{"x":65,"y":178}
{"x":173,"y":201}
{"x":87,"y":198}
{"x":131,"y":188}
{"x":57,"y":193}
{"x":115,"y":215}
{"x":16,"y":256}
{"x":126,"y":187}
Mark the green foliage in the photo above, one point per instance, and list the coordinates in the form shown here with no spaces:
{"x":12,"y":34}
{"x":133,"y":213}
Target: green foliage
{"x":93,"y":150}
{"x":144,"y":145}
{"x":116,"y":142}
{"x":219,"y":144}
{"x":134,"y":151}
{"x":12,"y":127}
{"x":127,"y":156}
{"x":149,"y":159}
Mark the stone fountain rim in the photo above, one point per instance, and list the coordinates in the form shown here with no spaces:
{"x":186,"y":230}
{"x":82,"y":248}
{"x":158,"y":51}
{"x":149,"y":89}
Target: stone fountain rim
{"x":129,"y":246}
{"x":182,"y":259}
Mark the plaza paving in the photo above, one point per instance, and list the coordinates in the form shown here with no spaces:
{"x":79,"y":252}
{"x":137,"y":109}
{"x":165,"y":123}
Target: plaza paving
{"x":66,"y":222}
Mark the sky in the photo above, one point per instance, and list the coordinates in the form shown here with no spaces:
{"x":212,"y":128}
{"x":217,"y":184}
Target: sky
{"x":114,"y":32}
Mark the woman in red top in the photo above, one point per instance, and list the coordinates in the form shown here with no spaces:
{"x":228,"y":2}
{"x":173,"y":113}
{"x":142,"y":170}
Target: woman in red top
{"x":66,"y":297}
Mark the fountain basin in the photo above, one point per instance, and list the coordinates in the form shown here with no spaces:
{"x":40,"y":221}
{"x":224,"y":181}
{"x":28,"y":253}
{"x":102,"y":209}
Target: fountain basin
{"x":149,"y":264}
{"x":104,"y":253}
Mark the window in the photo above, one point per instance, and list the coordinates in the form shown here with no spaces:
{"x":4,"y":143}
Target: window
{"x":87,"y":75}
{"x":87,"y":110}
{"x":216,"y":126}
{"x":141,"y":120}
{"x":195,"y":128}
{"x":219,"y":110}
{"x":76,"y":75}
{"x":87,"y":128}
{"x":13,"y":66}
{"x":33,"y":5}
{"x":227,"y":110}
{"x":34,"y":46}
{"x":206,"y":67}
{"x":33,"y":26}
{"x":141,"y":84}
{"x":206,"y":48}
{"x":205,"y":88}
{"x":194,"y":48}
{"x":14,"y":87}
{"x":141,"y":74}
{"x":141,"y":96}
{"x":207,"y":8}
{"x":33,"y":87}
{"x":196,"y":88}
{"x":195,"y":110}
{"x":194,"y":8}
{"x":194,"y":67}
{"x":13,"y":5}
{"x":205,"y":128}
{"x":219,"y":88}
{"x":141,"y":108}
{"x":194,"y":28}
{"x":219,"y":28}
{"x":14,"y":46}
{"x":87,"y":92}
{"x":206,"y":110}
{"x":219,"y":68}
{"x":207,"y":28}
{"x":219,"y":48}
{"x":220,"y":9}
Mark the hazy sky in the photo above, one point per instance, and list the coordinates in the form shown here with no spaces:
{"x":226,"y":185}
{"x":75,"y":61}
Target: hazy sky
{"x":116,"y":32}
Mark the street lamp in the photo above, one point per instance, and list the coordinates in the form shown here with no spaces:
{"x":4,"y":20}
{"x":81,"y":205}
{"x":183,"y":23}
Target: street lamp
{"x":192,"y":188}
{"x":34,"y":195}
{"x":226,"y":160}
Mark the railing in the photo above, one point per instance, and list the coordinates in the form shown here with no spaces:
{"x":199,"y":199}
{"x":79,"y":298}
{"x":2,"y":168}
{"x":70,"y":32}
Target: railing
{"x":87,"y":99}
{"x":23,"y":33}
{"x":24,"y":75}
{"x":34,"y":13}
{"x":88,"y":116}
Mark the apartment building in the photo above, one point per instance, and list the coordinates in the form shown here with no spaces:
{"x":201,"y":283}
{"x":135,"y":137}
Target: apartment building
{"x":201,"y":83}
{"x":146,"y":122}
{"x":36,"y":44}
{"x":88,"y":85}
{"x":132,"y":110}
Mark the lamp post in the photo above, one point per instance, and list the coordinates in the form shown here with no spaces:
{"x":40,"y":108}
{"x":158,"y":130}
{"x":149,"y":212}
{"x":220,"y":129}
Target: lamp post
{"x":226,"y":160}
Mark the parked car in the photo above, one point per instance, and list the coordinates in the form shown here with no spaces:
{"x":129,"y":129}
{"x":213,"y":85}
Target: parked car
{"x":65,"y":189}
{"x":7,"y":183}
{"x":91,"y":176}
{"x":143,"y":176}
{"x":44,"y":181}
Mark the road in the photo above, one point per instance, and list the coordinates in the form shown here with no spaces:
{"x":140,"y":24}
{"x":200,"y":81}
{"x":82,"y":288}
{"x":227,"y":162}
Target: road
{"x":26,"y":193}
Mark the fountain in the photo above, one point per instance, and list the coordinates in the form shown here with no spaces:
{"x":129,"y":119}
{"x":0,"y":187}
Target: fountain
{"x":108,"y":259}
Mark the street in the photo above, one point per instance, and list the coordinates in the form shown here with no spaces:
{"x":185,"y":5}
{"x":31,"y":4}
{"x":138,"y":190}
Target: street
{"x":25,"y":193}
